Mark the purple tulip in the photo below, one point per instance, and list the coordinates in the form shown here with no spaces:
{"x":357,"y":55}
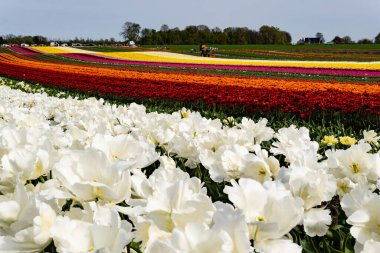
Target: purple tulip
{"x":24,"y":50}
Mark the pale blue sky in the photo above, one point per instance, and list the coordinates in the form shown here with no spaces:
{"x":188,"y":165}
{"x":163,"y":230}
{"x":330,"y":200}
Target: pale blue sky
{"x":104,"y":18}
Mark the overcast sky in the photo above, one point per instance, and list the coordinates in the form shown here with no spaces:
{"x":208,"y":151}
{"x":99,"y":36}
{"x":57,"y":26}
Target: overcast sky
{"x":103,"y":18}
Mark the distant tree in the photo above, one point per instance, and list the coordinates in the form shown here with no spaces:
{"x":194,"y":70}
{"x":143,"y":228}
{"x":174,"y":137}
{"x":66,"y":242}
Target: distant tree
{"x":190,"y":35}
{"x":230,"y":35}
{"x":365,"y":41}
{"x":24,"y":39}
{"x":2,"y":41}
{"x":146,"y":36}
{"x":164,"y":28}
{"x":254,"y":37}
{"x":273,"y":35}
{"x":268,"y":34}
{"x":217,"y":36}
{"x":39,"y":40}
{"x":288,"y":38}
{"x":156,"y":38}
{"x":174,"y":36}
{"x":130,"y":31}
{"x":337,"y":40}
{"x":203,"y":28}
{"x":347,"y":40}
{"x":319,"y":35}
{"x":377,"y":39}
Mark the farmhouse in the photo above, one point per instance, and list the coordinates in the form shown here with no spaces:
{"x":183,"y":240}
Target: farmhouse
{"x":311,"y":41}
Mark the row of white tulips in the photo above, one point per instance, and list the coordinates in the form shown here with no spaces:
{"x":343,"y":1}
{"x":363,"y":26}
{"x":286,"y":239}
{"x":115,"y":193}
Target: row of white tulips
{"x":70,"y":169}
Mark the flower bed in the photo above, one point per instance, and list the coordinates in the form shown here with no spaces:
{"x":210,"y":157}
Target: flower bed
{"x":314,"y":71}
{"x":84,"y":175}
{"x":181,"y":58}
{"x":301,"y":97}
{"x":24,"y":50}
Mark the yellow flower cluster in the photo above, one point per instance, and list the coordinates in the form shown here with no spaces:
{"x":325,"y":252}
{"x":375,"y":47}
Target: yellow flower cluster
{"x":330,"y":140}
{"x":61,"y":50}
{"x":347,"y":140}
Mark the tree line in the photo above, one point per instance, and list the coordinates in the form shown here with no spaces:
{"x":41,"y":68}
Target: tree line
{"x":41,"y":40}
{"x":195,"y":34}
{"x":347,"y":40}
{"x":232,"y":35}
{"x":13,"y":39}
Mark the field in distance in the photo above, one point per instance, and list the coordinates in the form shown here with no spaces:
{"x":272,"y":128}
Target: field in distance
{"x":342,"y":52}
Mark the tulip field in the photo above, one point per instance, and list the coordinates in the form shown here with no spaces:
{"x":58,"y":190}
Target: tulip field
{"x":131,"y":150}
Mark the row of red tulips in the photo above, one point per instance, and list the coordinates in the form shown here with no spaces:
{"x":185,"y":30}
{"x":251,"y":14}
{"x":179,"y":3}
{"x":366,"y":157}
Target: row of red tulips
{"x":252,"y":98}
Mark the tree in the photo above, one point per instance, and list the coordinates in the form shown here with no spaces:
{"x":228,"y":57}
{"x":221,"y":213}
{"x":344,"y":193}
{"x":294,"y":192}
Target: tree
{"x":288,"y":38}
{"x":377,"y":39}
{"x":39,"y":40}
{"x":190,"y":35}
{"x":164,"y":28}
{"x":174,"y":36}
{"x":130,"y":31}
{"x":365,"y":41}
{"x":337,"y":40}
{"x":146,"y":36}
{"x":273,"y":35}
{"x":2,"y":41}
{"x":254,"y":37}
{"x":203,"y":28}
{"x":217,"y":36}
{"x":347,"y":40}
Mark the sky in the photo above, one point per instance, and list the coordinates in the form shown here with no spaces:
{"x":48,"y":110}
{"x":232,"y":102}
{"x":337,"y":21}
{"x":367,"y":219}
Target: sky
{"x":65,"y":19}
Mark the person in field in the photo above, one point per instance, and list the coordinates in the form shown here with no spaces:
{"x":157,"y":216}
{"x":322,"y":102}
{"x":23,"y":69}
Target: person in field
{"x":202,"y":49}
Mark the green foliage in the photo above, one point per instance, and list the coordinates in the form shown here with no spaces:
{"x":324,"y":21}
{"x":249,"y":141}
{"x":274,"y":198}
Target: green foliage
{"x":365,"y":41}
{"x":377,"y":39}
{"x":13,"y":39}
{"x":231,"y":35}
{"x":273,"y":35}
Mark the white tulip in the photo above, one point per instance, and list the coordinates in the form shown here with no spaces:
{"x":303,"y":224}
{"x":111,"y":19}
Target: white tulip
{"x":257,"y":132}
{"x":371,"y":137}
{"x":126,"y":151}
{"x":91,"y":230}
{"x":176,"y":204}
{"x":371,"y":246}
{"x":277,"y":246}
{"x":231,"y":221}
{"x":312,"y":192}
{"x":355,"y":162}
{"x":194,"y":238}
{"x":89,"y":176}
{"x":361,"y":206}
{"x":292,"y":142}
{"x":25,"y":222}
{"x":316,"y":221}
{"x":263,"y":207}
